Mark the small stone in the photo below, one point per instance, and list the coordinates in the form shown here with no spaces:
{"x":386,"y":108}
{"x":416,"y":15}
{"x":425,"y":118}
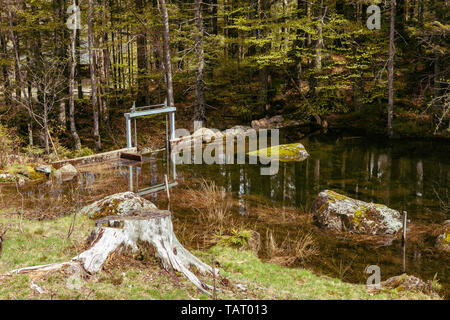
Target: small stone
{"x":241,"y":287}
{"x":47,"y":169}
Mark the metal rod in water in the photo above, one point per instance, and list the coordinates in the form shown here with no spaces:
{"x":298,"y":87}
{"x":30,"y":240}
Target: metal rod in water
{"x":135,"y":128}
{"x":404,"y":240}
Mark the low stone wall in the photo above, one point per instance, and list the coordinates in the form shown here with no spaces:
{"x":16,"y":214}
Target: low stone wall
{"x":100,"y":157}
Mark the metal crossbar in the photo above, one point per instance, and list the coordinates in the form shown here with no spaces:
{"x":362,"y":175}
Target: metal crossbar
{"x":149,"y":110}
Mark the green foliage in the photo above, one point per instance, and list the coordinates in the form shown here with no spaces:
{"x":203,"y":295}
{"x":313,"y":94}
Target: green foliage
{"x":237,"y":239}
{"x":6,"y":145}
{"x":33,"y":151}
{"x":85,"y":151}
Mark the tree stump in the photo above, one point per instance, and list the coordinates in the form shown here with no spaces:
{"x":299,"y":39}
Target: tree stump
{"x":113,"y":234}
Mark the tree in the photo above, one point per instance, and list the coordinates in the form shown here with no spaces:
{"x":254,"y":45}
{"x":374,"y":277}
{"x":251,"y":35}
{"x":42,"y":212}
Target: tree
{"x":391,"y":70}
{"x":199,"y":111}
{"x":73,"y":65}
{"x":92,"y":68}
{"x":167,"y":58}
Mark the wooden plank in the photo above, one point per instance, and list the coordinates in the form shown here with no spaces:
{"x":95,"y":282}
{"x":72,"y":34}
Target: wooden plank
{"x":100,"y":157}
{"x":131,"y":156}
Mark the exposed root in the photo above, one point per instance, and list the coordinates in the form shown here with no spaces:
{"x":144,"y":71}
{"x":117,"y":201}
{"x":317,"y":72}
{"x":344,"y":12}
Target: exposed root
{"x":114,"y":233}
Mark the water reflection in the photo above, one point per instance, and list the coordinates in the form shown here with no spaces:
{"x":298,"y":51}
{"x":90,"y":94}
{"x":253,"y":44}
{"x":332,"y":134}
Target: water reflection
{"x":359,"y":168}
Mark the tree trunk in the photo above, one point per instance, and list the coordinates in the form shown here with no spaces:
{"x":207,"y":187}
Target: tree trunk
{"x":167,"y":58}
{"x":78,"y":59}
{"x":141,"y":43}
{"x":391,"y":71}
{"x":116,"y":234}
{"x":73,"y":64}
{"x":199,"y":109}
{"x":30,"y":133}
{"x":5,"y":71}
{"x":92,"y":63}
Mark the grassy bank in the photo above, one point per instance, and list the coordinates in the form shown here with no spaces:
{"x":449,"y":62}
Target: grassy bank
{"x":243,"y":275}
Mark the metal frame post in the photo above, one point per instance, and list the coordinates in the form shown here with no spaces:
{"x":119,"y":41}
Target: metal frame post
{"x":172,"y":125}
{"x":128,"y":120}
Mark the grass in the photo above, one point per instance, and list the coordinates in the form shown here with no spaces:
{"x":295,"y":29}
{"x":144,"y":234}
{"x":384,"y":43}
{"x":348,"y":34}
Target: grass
{"x":41,"y":242}
{"x":210,"y":201}
{"x":124,"y":277}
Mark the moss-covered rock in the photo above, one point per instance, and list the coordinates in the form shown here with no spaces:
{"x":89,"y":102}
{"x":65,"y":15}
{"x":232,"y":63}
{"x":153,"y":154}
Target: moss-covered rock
{"x":443,"y":240}
{"x":404,"y":282}
{"x":284,"y":152}
{"x":20,"y":172}
{"x":340,"y":213}
{"x":117,"y":204}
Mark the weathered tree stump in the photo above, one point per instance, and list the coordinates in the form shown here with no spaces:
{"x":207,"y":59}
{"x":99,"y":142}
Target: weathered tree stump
{"x":113,"y":234}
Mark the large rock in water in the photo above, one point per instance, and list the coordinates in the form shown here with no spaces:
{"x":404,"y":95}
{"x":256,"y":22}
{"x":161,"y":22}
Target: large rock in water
{"x":283,"y":152}
{"x":120,"y":204}
{"x":66,"y":172}
{"x":341,"y":213}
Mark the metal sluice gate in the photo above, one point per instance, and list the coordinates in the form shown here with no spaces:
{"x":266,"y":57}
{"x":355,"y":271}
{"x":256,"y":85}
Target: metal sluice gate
{"x":170,"y":135}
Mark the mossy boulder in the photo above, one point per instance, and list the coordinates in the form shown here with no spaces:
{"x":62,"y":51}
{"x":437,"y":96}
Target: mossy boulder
{"x":443,"y":240}
{"x":283,"y":152}
{"x":405,"y":283}
{"x":121,"y":204}
{"x":340,"y":213}
{"x":20,"y":172}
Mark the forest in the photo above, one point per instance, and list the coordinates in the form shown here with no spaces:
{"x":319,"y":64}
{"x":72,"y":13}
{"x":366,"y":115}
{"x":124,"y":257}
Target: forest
{"x":355,"y":93}
{"x":240,"y":59}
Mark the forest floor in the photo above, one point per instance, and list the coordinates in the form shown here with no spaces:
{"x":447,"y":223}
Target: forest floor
{"x":242,"y":274}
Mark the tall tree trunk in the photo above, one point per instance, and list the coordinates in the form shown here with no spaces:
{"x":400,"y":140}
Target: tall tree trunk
{"x":19,"y":75}
{"x":391,"y":71}
{"x":92,"y":63}
{"x":5,"y":71}
{"x":199,"y":109}
{"x":78,"y":72}
{"x":263,"y":76}
{"x":60,"y":51}
{"x":106,"y":70}
{"x":73,"y":65}
{"x":141,"y":43}
{"x":167,"y":58}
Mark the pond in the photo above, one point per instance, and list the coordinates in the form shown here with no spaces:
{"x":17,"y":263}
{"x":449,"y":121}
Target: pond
{"x":406,"y":175}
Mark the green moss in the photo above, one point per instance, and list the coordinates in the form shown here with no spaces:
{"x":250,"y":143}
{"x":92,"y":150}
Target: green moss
{"x":336,"y":196}
{"x":109,"y":209}
{"x":26,"y":170}
{"x":284,"y":152}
